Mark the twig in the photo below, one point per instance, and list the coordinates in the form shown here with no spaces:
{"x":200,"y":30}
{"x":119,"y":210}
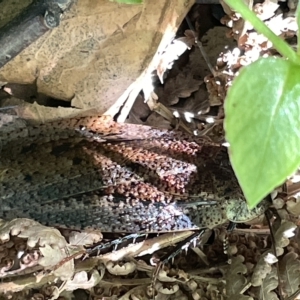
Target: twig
{"x":200,"y":46}
{"x":166,"y":113}
{"x":293,"y":296}
{"x":267,"y":214}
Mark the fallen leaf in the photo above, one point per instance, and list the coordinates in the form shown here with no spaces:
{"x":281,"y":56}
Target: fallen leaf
{"x":289,"y":272}
{"x":53,"y":257}
{"x":261,"y":270}
{"x":42,"y":235}
{"x":85,"y":238}
{"x":171,"y":53}
{"x":269,"y":284}
{"x":235,"y":276}
{"x":89,"y":61}
{"x":241,"y":297}
{"x":282,"y":235}
{"x":188,"y":39}
{"x":81,"y":281}
{"x":293,"y":207}
{"x":35,"y":232}
{"x":181,"y":86}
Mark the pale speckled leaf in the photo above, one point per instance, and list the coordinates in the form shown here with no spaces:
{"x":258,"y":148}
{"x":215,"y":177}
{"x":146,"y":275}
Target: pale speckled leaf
{"x":235,"y":278}
{"x":55,"y":257}
{"x":269,"y":284}
{"x":261,"y":270}
{"x":85,"y":238}
{"x":289,"y":270}
{"x":82,"y":280}
{"x":36,"y":233}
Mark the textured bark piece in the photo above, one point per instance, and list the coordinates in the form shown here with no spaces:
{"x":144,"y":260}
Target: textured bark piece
{"x":97,"y":52}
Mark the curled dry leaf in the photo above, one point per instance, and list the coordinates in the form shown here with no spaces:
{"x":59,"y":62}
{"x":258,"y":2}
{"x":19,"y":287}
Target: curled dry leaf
{"x":192,"y":285}
{"x":214,"y":291}
{"x":82,"y":280}
{"x":38,"y":234}
{"x":85,"y":238}
{"x":293,"y":206}
{"x":265,"y":290}
{"x":164,"y":277}
{"x":188,"y":39}
{"x":124,"y":269}
{"x":181,"y":86}
{"x":33,"y":231}
{"x":289,"y":273}
{"x":241,"y":297}
{"x":170,"y":290}
{"x":136,"y":293}
{"x":282,"y":235}
{"x":278,"y":203}
{"x":183,"y":276}
{"x":173,"y":51}
{"x":199,"y":294}
{"x":235,"y":278}
{"x":14,"y":227}
{"x":53,"y":257}
{"x":261,"y":270}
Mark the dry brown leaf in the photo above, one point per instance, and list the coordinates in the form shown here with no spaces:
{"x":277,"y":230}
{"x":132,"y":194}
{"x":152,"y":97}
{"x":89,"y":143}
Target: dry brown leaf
{"x":164,"y":276}
{"x":53,"y":257}
{"x":82,"y":280}
{"x":33,"y":231}
{"x":89,"y":61}
{"x":262,"y":269}
{"x":139,"y":111}
{"x":181,"y":86}
{"x":235,"y":279}
{"x":121,"y":268}
{"x":42,"y":235}
{"x":188,"y":39}
{"x":172,"y":52}
{"x":13,"y":227}
{"x":85,"y":238}
{"x":282,"y":235}
{"x":136,"y":293}
{"x":265,"y":291}
{"x":156,"y":120}
{"x":293,"y":207}
{"x":289,"y":273}
{"x":241,"y":297}
{"x":171,"y":289}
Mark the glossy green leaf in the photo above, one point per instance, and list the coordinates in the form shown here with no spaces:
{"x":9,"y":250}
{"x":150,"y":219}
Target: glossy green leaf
{"x":262,"y":125}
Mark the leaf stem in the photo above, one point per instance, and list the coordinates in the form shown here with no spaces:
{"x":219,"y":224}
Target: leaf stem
{"x":281,"y":46}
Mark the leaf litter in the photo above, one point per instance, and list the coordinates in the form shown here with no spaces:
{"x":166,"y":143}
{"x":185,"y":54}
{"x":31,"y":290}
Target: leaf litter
{"x":56,"y":263}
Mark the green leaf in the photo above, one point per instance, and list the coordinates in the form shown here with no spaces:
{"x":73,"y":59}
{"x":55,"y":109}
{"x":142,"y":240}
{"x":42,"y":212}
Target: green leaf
{"x":262,"y":125}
